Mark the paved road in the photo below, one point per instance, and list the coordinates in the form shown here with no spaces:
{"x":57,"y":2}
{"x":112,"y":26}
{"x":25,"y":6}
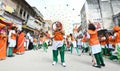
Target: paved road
{"x":42,"y":61}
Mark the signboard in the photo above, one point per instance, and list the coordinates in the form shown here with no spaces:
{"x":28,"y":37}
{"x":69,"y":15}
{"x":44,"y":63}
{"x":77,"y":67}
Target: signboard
{"x":9,"y":9}
{"x":5,"y":7}
{"x":12,"y":18}
{"x":32,"y":24}
{"x":97,"y":25}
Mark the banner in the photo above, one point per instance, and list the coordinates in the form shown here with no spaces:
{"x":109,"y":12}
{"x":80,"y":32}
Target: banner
{"x":9,"y":9}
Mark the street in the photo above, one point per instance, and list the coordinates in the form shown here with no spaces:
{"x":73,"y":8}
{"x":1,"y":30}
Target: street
{"x":39,"y":60}
{"x":93,"y":25}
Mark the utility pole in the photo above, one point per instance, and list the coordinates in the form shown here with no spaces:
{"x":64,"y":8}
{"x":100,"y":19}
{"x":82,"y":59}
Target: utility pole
{"x":99,"y":5}
{"x":111,"y":7}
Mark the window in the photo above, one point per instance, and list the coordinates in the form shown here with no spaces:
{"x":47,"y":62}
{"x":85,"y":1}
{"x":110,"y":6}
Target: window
{"x":24,"y":13}
{"x":21,"y":10}
{"x":27,"y":16}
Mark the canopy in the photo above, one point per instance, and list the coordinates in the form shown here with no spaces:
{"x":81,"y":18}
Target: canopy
{"x":6,"y":23}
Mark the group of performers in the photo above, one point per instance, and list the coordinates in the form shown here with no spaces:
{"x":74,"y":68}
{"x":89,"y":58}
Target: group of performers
{"x":98,"y":46}
{"x":16,"y":42}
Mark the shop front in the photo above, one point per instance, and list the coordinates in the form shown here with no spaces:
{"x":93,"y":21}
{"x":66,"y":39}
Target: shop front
{"x":27,"y":29}
{"x":35,"y":25}
{"x":11,"y":19}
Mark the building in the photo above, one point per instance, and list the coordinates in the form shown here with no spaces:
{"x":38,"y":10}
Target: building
{"x":7,"y":9}
{"x":116,"y":11}
{"x":23,"y":10}
{"x":38,"y":15}
{"x":36,"y":22}
{"x":84,"y":16}
{"x":90,"y":12}
{"x":47,"y":26}
{"x":100,"y":11}
{"x":26,"y":12}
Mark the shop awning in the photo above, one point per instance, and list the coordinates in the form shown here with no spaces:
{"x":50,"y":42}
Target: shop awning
{"x":2,"y":20}
{"x":26,"y":27}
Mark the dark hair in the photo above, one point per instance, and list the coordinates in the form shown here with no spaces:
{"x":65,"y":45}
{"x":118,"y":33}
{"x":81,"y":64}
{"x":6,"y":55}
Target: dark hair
{"x":91,"y":27}
{"x":13,"y":28}
{"x":70,"y":34}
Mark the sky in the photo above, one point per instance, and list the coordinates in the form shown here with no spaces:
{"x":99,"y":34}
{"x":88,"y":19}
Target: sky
{"x":65,"y":11}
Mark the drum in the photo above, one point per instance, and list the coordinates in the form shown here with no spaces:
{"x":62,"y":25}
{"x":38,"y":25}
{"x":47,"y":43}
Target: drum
{"x":57,"y":25}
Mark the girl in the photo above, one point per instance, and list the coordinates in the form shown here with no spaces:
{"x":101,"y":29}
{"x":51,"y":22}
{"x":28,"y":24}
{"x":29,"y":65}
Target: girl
{"x":74,"y":44}
{"x":58,"y":44}
{"x":95,"y":45}
{"x":3,"y":39}
{"x":117,"y":41}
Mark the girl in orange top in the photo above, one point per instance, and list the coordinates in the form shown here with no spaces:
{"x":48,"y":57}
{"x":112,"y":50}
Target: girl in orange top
{"x":85,"y":44}
{"x":35,"y":44}
{"x":74,"y":44}
{"x":84,"y":40}
{"x":95,"y":45}
{"x":44,"y":44}
{"x":58,"y":42}
{"x":103,"y":44}
{"x":117,"y":41}
{"x":67,"y":43}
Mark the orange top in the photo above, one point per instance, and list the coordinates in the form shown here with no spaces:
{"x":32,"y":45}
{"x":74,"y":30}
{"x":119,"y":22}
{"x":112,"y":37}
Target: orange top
{"x":93,"y":37}
{"x":58,"y":36}
{"x":72,"y":39}
{"x":117,"y":39}
{"x":35,"y":40}
{"x":103,"y":41}
{"x":84,"y":39}
{"x":110,"y":40}
{"x":2,"y":25}
{"x":116,"y":28}
{"x":13,"y":36}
